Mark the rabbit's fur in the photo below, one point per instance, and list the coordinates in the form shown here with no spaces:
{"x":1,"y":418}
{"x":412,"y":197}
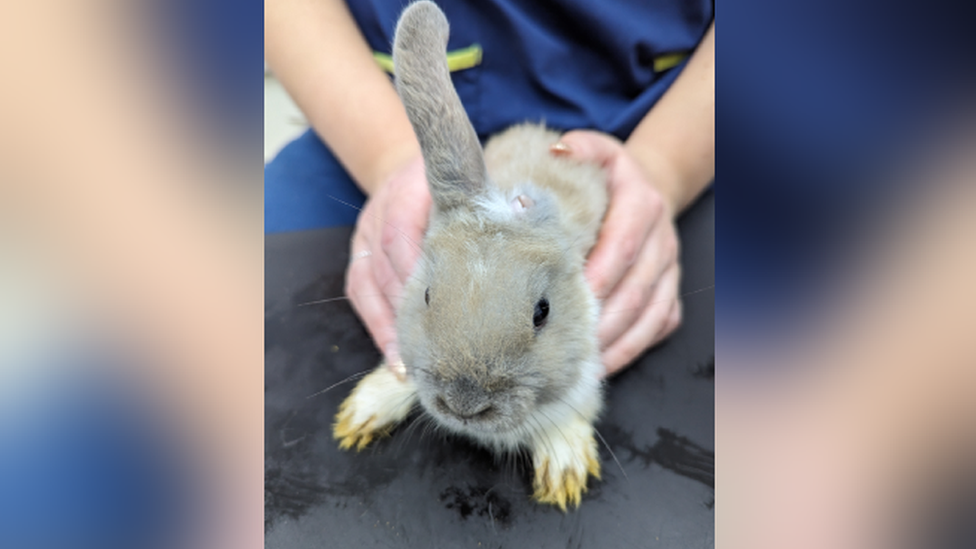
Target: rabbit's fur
{"x":510,"y":228}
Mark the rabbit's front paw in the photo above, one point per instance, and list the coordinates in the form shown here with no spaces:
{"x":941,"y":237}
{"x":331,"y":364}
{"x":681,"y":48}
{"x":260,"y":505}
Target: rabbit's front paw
{"x":376,"y":405}
{"x":564,"y":458}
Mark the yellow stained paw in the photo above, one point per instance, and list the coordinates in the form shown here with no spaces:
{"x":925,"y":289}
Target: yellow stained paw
{"x":564,"y":487}
{"x":378,"y":403}
{"x":350,"y":433}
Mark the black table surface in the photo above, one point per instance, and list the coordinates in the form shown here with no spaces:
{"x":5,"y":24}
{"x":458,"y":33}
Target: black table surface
{"x":419,"y":489}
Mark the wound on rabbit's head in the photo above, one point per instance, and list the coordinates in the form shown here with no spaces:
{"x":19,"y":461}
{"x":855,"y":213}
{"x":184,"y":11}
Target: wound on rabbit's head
{"x":525,"y":202}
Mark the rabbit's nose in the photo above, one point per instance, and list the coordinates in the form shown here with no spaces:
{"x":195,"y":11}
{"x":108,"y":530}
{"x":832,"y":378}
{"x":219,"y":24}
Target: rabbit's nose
{"x":464,"y":409}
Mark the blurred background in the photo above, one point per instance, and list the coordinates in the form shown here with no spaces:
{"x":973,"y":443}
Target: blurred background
{"x":131,"y":274}
{"x":845,"y":225}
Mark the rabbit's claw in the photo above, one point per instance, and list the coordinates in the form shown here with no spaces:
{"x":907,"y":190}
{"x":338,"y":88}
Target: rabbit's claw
{"x":563,"y":463}
{"x":378,"y":403}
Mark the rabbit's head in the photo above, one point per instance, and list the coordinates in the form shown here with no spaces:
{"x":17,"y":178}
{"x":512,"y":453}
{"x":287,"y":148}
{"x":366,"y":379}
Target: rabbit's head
{"x":496,"y":320}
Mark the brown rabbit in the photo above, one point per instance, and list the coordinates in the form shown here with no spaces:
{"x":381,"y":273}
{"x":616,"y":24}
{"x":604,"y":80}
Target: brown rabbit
{"x":497,"y":327}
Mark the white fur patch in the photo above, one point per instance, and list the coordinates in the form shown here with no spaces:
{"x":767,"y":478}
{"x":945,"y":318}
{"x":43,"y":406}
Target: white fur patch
{"x":503,"y":206}
{"x":494,"y":205}
{"x":479,"y":271}
{"x":566,"y":447}
{"x":382,"y":397}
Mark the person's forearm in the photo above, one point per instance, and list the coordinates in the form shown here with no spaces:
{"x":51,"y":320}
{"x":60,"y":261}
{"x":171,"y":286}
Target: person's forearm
{"x":675,"y":142}
{"x":319,"y":55}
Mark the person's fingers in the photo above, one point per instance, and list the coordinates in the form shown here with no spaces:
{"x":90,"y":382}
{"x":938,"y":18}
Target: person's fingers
{"x":649,"y":327}
{"x":634,"y":293}
{"x":633,"y":266}
{"x":404,"y":219}
{"x":635,"y":208}
{"x":673,"y":321}
{"x":403,"y":231}
{"x":369,"y":302}
{"x":386,"y":279}
{"x":382,"y":278}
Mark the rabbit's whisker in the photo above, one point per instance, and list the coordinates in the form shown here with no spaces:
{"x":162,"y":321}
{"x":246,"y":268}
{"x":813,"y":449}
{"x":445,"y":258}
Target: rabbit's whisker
{"x":613,"y":455}
{"x":353,"y":377}
{"x":414,"y":423}
{"x":406,"y":431}
{"x":615,"y":311}
{"x":321,"y":301}
{"x":430,"y":427}
{"x":712,"y":287}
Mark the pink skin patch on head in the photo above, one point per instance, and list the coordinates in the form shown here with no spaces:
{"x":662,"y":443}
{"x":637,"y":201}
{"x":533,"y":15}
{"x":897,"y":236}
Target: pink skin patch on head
{"x":521,"y":203}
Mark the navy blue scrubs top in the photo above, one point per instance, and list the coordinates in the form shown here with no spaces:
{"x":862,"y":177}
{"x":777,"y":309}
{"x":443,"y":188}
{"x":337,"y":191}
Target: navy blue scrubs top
{"x":571,"y":64}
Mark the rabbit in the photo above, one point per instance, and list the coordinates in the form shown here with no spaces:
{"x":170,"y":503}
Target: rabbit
{"x":497,"y":326}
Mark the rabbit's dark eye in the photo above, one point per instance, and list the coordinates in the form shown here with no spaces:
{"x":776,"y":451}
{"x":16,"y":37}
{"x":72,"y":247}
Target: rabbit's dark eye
{"x":541,"y":312}
{"x":427,"y":296}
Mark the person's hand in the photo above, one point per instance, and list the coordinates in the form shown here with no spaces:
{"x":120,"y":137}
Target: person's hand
{"x":633,"y":269}
{"x":384,"y":248}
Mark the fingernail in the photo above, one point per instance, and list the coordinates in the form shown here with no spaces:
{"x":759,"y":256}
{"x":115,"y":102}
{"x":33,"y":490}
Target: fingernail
{"x":560,"y":149}
{"x":394,"y":362}
{"x":399,"y":369}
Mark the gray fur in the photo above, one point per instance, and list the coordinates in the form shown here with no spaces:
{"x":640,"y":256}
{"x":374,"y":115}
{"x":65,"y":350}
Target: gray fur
{"x":480,"y":366}
{"x":452,"y":153}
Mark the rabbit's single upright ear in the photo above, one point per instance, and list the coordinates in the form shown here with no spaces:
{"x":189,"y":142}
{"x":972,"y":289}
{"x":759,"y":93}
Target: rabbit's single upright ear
{"x":452,"y":153}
